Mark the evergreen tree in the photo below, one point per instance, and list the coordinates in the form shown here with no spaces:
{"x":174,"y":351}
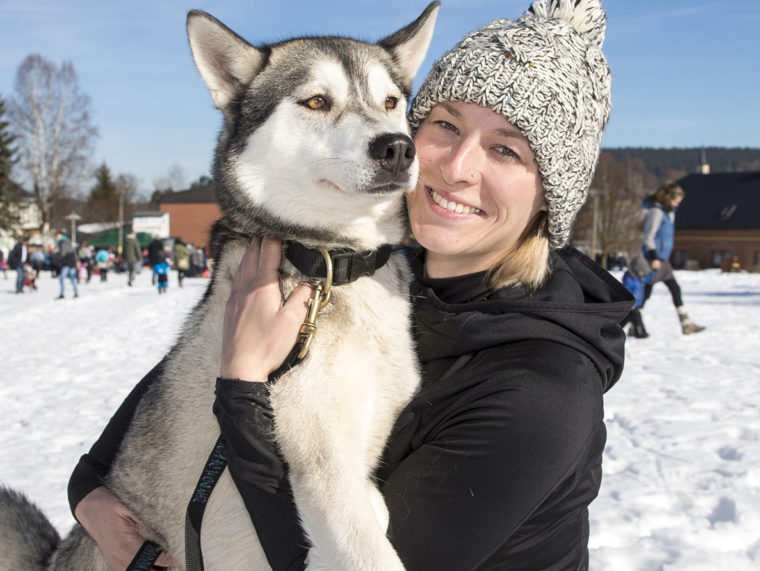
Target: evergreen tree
{"x":103,"y":201}
{"x":10,"y":193}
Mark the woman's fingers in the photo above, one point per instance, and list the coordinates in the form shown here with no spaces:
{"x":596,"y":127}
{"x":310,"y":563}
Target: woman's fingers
{"x":249,"y":264}
{"x":269,"y":258}
{"x":260,"y":329}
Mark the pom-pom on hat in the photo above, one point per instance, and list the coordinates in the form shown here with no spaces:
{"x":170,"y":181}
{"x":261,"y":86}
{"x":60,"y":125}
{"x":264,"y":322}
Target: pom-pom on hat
{"x":546,"y":74}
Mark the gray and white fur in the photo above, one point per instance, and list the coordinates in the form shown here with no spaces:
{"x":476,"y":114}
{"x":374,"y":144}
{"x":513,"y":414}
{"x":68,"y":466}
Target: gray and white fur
{"x":315,"y":148}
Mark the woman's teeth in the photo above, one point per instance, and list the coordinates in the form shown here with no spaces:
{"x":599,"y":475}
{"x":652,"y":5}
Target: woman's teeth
{"x":451,"y":205}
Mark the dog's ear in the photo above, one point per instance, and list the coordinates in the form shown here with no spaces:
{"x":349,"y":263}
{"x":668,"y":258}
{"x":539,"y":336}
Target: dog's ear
{"x":410,"y":44}
{"x":224,"y":59}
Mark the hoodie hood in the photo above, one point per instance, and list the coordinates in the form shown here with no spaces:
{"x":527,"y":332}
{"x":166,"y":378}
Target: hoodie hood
{"x":581,"y":305}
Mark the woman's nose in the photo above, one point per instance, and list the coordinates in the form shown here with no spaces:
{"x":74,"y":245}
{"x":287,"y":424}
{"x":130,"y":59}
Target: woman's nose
{"x":462,"y":164}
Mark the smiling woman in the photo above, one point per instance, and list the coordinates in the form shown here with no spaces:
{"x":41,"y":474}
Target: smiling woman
{"x":479,"y":189}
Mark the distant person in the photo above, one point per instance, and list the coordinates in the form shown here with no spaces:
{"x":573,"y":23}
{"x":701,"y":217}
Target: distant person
{"x":86,"y":261}
{"x":54,"y":260}
{"x":635,"y":279}
{"x":659,"y":232}
{"x":37,"y":260}
{"x":67,"y":257}
{"x":181,"y":260}
{"x":3,"y":265}
{"x":156,"y":255}
{"x":161,"y":271}
{"x":132,"y":256}
{"x":102,"y":263}
{"x":198,"y":262}
{"x":17,"y":259}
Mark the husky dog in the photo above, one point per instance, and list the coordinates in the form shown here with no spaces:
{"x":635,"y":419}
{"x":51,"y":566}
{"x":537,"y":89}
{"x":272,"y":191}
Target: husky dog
{"x":314,"y":151}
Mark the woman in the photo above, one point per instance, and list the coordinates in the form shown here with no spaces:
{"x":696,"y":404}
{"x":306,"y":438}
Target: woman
{"x":659,"y":230}
{"x":494,"y":462}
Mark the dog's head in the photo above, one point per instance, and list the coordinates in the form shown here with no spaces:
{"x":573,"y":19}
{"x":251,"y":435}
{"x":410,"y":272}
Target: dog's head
{"x":315,"y":143}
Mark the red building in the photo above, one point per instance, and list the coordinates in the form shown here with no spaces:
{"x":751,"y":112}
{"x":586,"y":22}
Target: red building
{"x":191,"y":214}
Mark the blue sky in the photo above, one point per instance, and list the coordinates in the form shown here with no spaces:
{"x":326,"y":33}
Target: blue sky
{"x":685,"y":73}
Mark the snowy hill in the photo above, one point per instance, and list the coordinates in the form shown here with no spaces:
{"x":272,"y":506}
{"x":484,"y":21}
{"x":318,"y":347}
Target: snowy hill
{"x":681,"y":488}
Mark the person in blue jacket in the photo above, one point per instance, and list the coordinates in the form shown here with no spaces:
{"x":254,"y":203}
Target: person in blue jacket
{"x":636,"y":278}
{"x":161,"y":271}
{"x":659,"y":230}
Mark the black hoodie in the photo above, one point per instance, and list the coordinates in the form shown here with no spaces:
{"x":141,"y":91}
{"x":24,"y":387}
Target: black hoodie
{"x":497,"y":458}
{"x":494,"y":462}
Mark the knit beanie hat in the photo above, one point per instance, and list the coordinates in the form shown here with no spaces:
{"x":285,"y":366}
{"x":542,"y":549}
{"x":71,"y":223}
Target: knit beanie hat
{"x":546,"y":74}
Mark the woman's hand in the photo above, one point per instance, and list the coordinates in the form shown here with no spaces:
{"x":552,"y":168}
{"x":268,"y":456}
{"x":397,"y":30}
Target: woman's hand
{"x":260,"y":329}
{"x":113,"y":526}
{"x":656,"y":264}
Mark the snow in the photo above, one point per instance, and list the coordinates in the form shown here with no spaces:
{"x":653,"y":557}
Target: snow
{"x":681,"y":486}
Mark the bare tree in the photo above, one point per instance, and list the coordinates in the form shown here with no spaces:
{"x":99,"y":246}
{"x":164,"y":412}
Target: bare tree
{"x":172,"y":182}
{"x":51,"y":118}
{"x":126,"y":188}
{"x":610,"y":221}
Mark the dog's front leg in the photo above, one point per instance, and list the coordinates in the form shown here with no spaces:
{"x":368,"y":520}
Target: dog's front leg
{"x":330,"y":456}
{"x":339,"y":513}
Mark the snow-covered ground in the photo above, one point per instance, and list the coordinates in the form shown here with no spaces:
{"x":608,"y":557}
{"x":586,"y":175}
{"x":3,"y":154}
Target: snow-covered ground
{"x":681,"y":487}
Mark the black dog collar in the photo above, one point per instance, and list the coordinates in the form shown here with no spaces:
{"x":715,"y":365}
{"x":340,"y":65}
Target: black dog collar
{"x":348,"y":265}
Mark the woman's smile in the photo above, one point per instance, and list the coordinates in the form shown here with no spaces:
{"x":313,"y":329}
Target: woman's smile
{"x":451,"y":206}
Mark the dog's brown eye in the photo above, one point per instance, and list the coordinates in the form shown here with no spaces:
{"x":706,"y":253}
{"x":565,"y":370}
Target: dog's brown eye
{"x":391,"y":102}
{"x":317,"y":102}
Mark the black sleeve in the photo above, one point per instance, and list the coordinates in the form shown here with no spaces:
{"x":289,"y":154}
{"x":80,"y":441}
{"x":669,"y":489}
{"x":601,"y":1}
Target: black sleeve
{"x":94,"y":466}
{"x":246,"y":421}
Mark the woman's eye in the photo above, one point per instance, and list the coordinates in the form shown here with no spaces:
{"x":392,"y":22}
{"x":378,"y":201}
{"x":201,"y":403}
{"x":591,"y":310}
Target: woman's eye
{"x":391,"y":102}
{"x":317,"y":103}
{"x":448,"y":126}
{"x":506,"y":151}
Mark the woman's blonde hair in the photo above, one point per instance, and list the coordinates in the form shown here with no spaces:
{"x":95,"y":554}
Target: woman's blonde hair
{"x":668,"y":192}
{"x":527,"y":263}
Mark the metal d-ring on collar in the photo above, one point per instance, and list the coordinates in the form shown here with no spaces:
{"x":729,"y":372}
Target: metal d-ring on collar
{"x":322,"y":294}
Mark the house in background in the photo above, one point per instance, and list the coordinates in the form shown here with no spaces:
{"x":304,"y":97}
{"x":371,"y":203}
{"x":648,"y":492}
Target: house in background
{"x":30,"y":221}
{"x":718,"y":219}
{"x":191,"y":214}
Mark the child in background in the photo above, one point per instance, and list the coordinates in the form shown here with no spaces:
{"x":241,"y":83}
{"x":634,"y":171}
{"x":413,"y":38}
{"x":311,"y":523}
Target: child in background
{"x":161,"y":270}
{"x":638,"y":274}
{"x":102,"y":261}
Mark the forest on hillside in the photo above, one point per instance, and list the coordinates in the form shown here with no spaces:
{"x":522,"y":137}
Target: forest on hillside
{"x":676,"y":163}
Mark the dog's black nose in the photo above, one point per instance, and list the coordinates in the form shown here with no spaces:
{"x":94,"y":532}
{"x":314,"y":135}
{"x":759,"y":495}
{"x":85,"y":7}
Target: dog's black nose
{"x":395,"y":152}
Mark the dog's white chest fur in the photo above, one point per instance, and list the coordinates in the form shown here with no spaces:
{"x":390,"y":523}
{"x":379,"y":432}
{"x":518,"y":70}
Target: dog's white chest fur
{"x":333,"y":414}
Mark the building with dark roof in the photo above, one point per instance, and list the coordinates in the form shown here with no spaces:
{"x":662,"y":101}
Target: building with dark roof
{"x":718,"y":219}
{"x":191,"y":214}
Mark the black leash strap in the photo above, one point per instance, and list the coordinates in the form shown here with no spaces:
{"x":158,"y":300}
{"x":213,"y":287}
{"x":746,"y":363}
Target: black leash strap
{"x":145,"y":557}
{"x":215,"y":466}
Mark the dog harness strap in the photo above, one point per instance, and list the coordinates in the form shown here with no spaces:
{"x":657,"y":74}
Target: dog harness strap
{"x":213,"y":470}
{"x":145,"y":557}
{"x":348,"y":265}
{"x":215,"y":465}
